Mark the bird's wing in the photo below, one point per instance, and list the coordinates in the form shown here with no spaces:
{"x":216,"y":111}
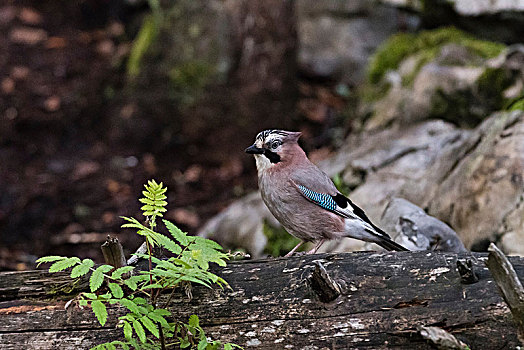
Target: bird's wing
{"x":339,"y":204}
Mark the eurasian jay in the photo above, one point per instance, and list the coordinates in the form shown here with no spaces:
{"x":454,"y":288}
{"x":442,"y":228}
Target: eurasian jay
{"x":304,"y":199}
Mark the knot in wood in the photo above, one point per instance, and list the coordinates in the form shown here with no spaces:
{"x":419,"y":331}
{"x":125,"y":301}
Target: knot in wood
{"x":323,"y":285}
{"x":466,"y":271}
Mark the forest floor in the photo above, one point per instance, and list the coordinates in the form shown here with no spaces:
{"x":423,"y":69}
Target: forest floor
{"x":68,"y":172}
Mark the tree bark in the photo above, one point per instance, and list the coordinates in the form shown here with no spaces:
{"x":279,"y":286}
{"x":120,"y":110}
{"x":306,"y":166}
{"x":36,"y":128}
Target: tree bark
{"x":384,"y":300}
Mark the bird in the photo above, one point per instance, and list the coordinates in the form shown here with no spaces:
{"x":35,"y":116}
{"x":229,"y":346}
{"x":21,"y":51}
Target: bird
{"x":304,"y":199}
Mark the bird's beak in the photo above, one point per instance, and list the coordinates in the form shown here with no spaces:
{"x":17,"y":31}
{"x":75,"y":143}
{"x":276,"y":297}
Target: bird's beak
{"x":254,"y":150}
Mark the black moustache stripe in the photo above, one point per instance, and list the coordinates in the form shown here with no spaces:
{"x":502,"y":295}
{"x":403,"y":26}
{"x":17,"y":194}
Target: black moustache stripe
{"x":272,"y":156}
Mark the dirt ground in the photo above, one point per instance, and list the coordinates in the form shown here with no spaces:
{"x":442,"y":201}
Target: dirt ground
{"x":76,"y":147}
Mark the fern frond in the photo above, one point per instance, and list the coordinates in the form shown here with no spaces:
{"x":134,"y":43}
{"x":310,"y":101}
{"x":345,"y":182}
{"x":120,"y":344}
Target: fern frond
{"x":154,"y":201}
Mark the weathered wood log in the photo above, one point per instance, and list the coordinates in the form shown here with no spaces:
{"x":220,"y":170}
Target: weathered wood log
{"x":384,"y":300}
{"x":509,"y":284}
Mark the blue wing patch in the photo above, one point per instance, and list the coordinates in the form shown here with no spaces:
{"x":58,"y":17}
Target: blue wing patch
{"x":322,"y":199}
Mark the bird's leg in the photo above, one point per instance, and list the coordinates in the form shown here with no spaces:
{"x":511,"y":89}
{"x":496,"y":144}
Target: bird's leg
{"x":294,"y":249}
{"x":314,"y":250}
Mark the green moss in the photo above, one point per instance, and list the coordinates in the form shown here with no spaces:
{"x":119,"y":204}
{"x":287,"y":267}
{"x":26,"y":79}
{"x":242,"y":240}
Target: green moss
{"x":279,"y":242}
{"x":455,"y":108}
{"x":516,"y":104}
{"x":491,"y":84}
{"x":370,"y":93}
{"x":391,"y":53}
{"x":424,"y":57}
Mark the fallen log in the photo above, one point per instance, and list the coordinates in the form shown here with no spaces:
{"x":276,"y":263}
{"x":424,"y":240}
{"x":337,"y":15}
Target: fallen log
{"x":379,"y":300}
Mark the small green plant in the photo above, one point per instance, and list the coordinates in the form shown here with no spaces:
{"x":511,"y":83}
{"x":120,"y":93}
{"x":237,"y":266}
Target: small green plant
{"x":148,"y":325}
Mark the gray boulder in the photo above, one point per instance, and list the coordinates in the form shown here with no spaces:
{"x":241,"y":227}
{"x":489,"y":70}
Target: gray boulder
{"x":417,"y":230}
{"x":482,"y":196}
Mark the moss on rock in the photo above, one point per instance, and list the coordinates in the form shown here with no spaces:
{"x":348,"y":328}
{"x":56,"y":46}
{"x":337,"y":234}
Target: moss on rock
{"x":517,"y":104}
{"x":491,"y":85}
{"x":392,"y":52}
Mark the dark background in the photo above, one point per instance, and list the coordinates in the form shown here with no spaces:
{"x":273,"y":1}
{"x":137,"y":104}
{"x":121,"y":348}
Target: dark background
{"x":79,"y":137}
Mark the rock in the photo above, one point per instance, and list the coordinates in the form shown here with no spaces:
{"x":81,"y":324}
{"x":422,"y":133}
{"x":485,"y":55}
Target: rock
{"x":482,"y":197}
{"x":416,"y":230}
{"x":396,"y":162}
{"x":241,"y":225}
{"x":336,"y":38}
{"x":461,"y":81}
{"x":500,"y":20}
{"x":391,"y":159}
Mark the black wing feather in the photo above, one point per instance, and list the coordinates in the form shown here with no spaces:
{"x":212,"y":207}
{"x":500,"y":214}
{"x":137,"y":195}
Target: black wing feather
{"x":340,"y":198}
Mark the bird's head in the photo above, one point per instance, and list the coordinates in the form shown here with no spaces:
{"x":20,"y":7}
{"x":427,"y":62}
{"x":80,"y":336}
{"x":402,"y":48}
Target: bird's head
{"x":274,"y":147}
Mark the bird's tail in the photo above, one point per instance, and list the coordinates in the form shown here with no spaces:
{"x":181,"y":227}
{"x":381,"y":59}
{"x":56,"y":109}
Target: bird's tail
{"x":388,"y":244}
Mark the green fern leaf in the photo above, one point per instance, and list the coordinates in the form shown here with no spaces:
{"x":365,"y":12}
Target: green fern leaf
{"x":51,"y":258}
{"x":140,"y":301}
{"x":168,"y":244}
{"x":202,"y":344}
{"x":177,"y":233}
{"x":184,"y":343}
{"x":128,"y":330}
{"x":64,"y":264}
{"x":116,"y":290}
{"x":147,"y":208}
{"x":131,"y":306}
{"x":194,"y":279}
{"x":121,"y":271}
{"x":147,"y":201}
{"x":100,"y":311}
{"x":139,"y":330}
{"x":95,"y":281}
{"x":91,"y":296}
{"x":148,"y":195}
{"x":150,"y":325}
{"x":153,"y":286}
{"x":82,"y":269}
{"x":97,"y":278}
{"x":155,"y":316}
{"x":194,"y":321}
{"x":123,"y":345}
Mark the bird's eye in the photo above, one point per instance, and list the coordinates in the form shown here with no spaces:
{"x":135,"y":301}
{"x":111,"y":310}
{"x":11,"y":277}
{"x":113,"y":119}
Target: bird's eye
{"x":275,"y":144}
